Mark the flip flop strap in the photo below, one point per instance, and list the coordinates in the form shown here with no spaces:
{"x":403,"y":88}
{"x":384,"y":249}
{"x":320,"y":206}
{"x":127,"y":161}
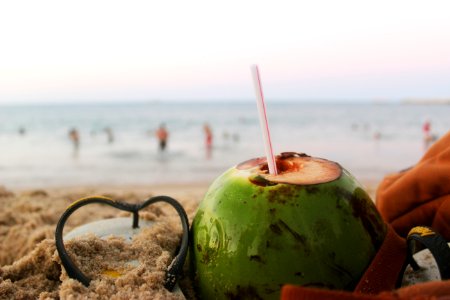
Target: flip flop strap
{"x":175,"y":267}
{"x":433,"y":241}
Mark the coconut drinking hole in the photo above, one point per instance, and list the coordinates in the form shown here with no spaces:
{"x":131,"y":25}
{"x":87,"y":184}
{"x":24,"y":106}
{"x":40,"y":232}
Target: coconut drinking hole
{"x":294,"y":168}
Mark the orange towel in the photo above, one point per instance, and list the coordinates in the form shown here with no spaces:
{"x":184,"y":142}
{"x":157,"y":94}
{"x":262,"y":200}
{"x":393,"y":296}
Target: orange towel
{"x":420,"y":195}
{"x":433,"y":290}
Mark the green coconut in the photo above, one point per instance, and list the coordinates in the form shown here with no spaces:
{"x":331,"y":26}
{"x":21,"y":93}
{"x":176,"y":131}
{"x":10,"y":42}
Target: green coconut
{"x":311,"y":225}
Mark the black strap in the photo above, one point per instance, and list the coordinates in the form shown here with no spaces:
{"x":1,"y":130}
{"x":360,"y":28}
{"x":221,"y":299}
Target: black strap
{"x":435,"y":243}
{"x":175,"y":267}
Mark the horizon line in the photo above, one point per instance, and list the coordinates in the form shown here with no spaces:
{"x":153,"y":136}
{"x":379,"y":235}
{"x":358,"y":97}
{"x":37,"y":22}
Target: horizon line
{"x":352,"y":100}
{"x":193,"y":100}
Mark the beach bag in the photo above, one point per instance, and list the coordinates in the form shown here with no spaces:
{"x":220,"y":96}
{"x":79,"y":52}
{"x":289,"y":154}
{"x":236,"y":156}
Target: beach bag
{"x":415,"y":204}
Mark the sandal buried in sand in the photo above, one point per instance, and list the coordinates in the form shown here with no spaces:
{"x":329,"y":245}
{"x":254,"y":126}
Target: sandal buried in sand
{"x":120,"y":227}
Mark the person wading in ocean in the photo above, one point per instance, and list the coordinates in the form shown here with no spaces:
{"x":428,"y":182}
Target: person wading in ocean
{"x":208,"y":139}
{"x":162,"y":134}
{"x":74,"y":136}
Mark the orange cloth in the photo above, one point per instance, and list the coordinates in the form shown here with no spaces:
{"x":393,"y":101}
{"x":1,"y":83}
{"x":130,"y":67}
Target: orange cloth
{"x":385,"y":268}
{"x":433,"y":290}
{"x":420,"y":195}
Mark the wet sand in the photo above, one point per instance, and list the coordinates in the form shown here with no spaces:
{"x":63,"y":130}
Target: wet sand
{"x":30,"y":267}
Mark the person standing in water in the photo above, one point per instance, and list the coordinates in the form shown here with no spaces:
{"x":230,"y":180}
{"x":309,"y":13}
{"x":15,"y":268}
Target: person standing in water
{"x":428,"y":137}
{"x":22,"y":131}
{"x":75,"y":138}
{"x":162,"y":134}
{"x":109,"y":134}
{"x":208,"y":139}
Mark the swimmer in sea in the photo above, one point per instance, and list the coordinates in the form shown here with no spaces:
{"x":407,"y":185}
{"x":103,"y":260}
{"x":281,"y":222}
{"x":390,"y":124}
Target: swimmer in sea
{"x":162,"y":134}
{"x":208,"y":139}
{"x":75,"y":138}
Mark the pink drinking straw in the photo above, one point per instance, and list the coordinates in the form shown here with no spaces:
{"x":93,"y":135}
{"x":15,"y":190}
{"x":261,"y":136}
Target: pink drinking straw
{"x":263,"y":120}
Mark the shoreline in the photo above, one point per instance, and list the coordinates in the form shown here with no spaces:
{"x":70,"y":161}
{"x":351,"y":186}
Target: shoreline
{"x":168,"y":189}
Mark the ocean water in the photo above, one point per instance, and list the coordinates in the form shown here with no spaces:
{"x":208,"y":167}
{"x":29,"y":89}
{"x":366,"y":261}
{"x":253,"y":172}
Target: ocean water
{"x":344,"y":132}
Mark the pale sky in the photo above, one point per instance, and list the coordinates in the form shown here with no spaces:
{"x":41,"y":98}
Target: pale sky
{"x":56,"y":51}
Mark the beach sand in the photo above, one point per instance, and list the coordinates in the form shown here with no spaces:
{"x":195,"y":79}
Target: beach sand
{"x":30,"y":267}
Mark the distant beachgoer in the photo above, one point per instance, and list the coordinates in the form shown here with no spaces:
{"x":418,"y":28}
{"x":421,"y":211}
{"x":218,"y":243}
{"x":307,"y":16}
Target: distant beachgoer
{"x":235,"y":137}
{"x":208,"y":135}
{"x":208,"y":139}
{"x":226,"y":138}
{"x":427,"y":136}
{"x":377,"y":135}
{"x":109,"y":134}
{"x":226,"y":135}
{"x":162,"y":134}
{"x":22,"y":131}
{"x":75,"y":138}
{"x":426,"y":128}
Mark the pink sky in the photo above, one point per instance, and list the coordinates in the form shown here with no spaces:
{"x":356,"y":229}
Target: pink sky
{"x":120,"y":50}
